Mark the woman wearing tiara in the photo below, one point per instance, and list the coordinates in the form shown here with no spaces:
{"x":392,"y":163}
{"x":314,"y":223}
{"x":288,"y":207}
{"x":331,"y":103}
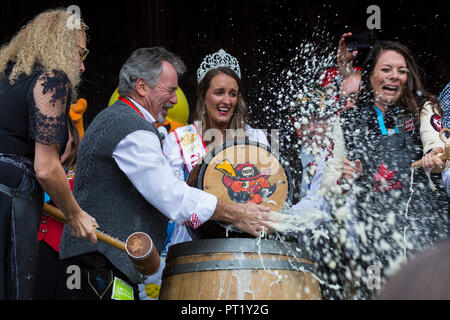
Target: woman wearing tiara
{"x":220,"y":114}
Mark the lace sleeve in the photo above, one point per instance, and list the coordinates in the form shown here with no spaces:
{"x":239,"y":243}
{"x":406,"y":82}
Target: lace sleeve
{"x":49,"y":109}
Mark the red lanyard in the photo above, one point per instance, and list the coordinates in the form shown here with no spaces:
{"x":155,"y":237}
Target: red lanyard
{"x":128,"y":102}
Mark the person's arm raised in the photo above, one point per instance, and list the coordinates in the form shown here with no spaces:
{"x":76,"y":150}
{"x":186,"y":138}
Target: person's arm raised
{"x":344,"y":57}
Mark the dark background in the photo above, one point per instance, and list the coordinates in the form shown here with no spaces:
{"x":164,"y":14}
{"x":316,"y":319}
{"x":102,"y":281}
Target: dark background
{"x":263,"y":35}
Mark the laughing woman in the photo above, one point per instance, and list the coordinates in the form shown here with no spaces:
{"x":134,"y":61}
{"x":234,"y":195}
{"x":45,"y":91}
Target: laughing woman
{"x":400,"y":210}
{"x":220,"y":107}
{"x":220,"y":113}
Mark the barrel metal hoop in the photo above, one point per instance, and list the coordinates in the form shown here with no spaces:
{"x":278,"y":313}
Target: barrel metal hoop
{"x":237,"y":264}
{"x":237,"y":245}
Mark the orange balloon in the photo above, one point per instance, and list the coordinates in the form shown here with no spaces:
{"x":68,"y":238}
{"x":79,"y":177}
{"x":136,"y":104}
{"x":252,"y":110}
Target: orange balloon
{"x":172,"y":125}
{"x":76,"y":114}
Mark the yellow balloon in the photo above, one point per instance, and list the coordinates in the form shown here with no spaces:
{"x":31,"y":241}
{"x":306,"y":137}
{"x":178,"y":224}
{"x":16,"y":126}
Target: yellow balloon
{"x":179,"y":112}
{"x":114,"y":97}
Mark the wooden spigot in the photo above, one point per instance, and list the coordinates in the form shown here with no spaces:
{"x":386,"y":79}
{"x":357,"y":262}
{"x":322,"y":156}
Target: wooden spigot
{"x":444,"y":155}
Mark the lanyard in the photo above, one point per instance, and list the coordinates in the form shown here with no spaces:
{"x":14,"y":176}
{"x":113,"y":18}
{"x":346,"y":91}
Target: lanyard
{"x":128,"y":102}
{"x":384,"y":131}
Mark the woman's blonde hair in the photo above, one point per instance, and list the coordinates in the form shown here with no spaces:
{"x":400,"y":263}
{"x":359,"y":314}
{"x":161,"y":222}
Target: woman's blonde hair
{"x":47,"y":40}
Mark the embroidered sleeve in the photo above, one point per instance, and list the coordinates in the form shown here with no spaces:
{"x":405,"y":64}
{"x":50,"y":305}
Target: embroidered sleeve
{"x":49,"y":109}
{"x":193,"y":222}
{"x":430,"y":126}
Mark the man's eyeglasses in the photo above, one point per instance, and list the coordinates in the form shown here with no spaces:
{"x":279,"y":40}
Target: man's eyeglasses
{"x":84,"y":54}
{"x":170,"y":91}
{"x":353,"y":98}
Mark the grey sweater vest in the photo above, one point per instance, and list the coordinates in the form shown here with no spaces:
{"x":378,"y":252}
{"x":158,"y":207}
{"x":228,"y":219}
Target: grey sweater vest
{"x":105,"y":192}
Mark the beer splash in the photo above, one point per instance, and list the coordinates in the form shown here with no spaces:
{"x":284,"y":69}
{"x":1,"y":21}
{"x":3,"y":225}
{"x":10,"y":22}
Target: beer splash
{"x":335,"y":239}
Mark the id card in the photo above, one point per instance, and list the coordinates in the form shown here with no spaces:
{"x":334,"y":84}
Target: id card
{"x":121,"y":290}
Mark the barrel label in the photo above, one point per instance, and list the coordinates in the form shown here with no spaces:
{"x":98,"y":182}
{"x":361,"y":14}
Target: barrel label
{"x":245,"y":183}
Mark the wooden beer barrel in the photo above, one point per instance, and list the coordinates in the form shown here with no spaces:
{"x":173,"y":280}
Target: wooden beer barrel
{"x":238,"y":269}
{"x":240,"y":172}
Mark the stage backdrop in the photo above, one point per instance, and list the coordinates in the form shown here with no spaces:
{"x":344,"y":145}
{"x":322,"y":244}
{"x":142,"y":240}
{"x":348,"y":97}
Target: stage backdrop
{"x":264,"y":35}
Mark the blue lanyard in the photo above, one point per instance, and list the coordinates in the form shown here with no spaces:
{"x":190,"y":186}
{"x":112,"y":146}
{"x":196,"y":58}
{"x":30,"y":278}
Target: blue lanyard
{"x":384,"y":131}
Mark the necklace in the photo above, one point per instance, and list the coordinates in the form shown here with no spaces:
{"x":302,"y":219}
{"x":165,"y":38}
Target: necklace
{"x":384,"y":131}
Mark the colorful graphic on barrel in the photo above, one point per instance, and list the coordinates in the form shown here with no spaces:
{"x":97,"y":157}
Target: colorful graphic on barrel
{"x":245,"y":183}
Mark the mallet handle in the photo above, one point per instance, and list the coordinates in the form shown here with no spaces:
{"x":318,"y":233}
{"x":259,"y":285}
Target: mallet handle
{"x":58,"y":215}
{"x":443,"y":156}
{"x":418,"y":163}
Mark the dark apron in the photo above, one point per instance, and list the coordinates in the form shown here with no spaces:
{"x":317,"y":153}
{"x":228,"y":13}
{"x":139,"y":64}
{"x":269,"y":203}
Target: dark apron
{"x":20,"y":208}
{"x":421,"y":215}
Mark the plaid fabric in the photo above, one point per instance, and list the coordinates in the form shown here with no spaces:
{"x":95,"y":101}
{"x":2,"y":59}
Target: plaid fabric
{"x":444,"y":99}
{"x":194,"y":221}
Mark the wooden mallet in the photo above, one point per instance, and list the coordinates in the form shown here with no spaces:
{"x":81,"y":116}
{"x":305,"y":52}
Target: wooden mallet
{"x":139,"y":246}
{"x":444,"y":155}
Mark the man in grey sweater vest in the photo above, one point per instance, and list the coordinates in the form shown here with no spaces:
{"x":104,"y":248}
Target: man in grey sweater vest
{"x":125,"y":182}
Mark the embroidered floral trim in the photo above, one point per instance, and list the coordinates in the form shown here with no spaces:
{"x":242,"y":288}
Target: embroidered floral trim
{"x":49,"y":111}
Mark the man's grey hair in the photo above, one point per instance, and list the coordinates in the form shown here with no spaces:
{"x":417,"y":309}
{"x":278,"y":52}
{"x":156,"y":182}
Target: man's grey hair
{"x":145,"y":63}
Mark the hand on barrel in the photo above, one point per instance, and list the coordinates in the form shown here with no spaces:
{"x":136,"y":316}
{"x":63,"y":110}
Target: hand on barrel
{"x":82,"y":225}
{"x":250,"y":218}
{"x":254,"y":219}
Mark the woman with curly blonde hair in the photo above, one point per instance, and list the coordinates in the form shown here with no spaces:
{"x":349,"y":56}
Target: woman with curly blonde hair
{"x":31,"y":46}
{"x":39,"y":70}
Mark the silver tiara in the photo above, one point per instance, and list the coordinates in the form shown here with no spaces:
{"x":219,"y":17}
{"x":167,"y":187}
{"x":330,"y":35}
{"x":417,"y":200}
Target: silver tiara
{"x":218,"y":59}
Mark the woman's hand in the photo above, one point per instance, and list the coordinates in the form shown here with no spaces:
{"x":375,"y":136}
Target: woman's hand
{"x":344,"y":57}
{"x":352,"y":170}
{"x":432,"y":163}
{"x":82,"y":225}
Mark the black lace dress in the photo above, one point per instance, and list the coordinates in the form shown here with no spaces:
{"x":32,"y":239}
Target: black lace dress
{"x":33,"y":109}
